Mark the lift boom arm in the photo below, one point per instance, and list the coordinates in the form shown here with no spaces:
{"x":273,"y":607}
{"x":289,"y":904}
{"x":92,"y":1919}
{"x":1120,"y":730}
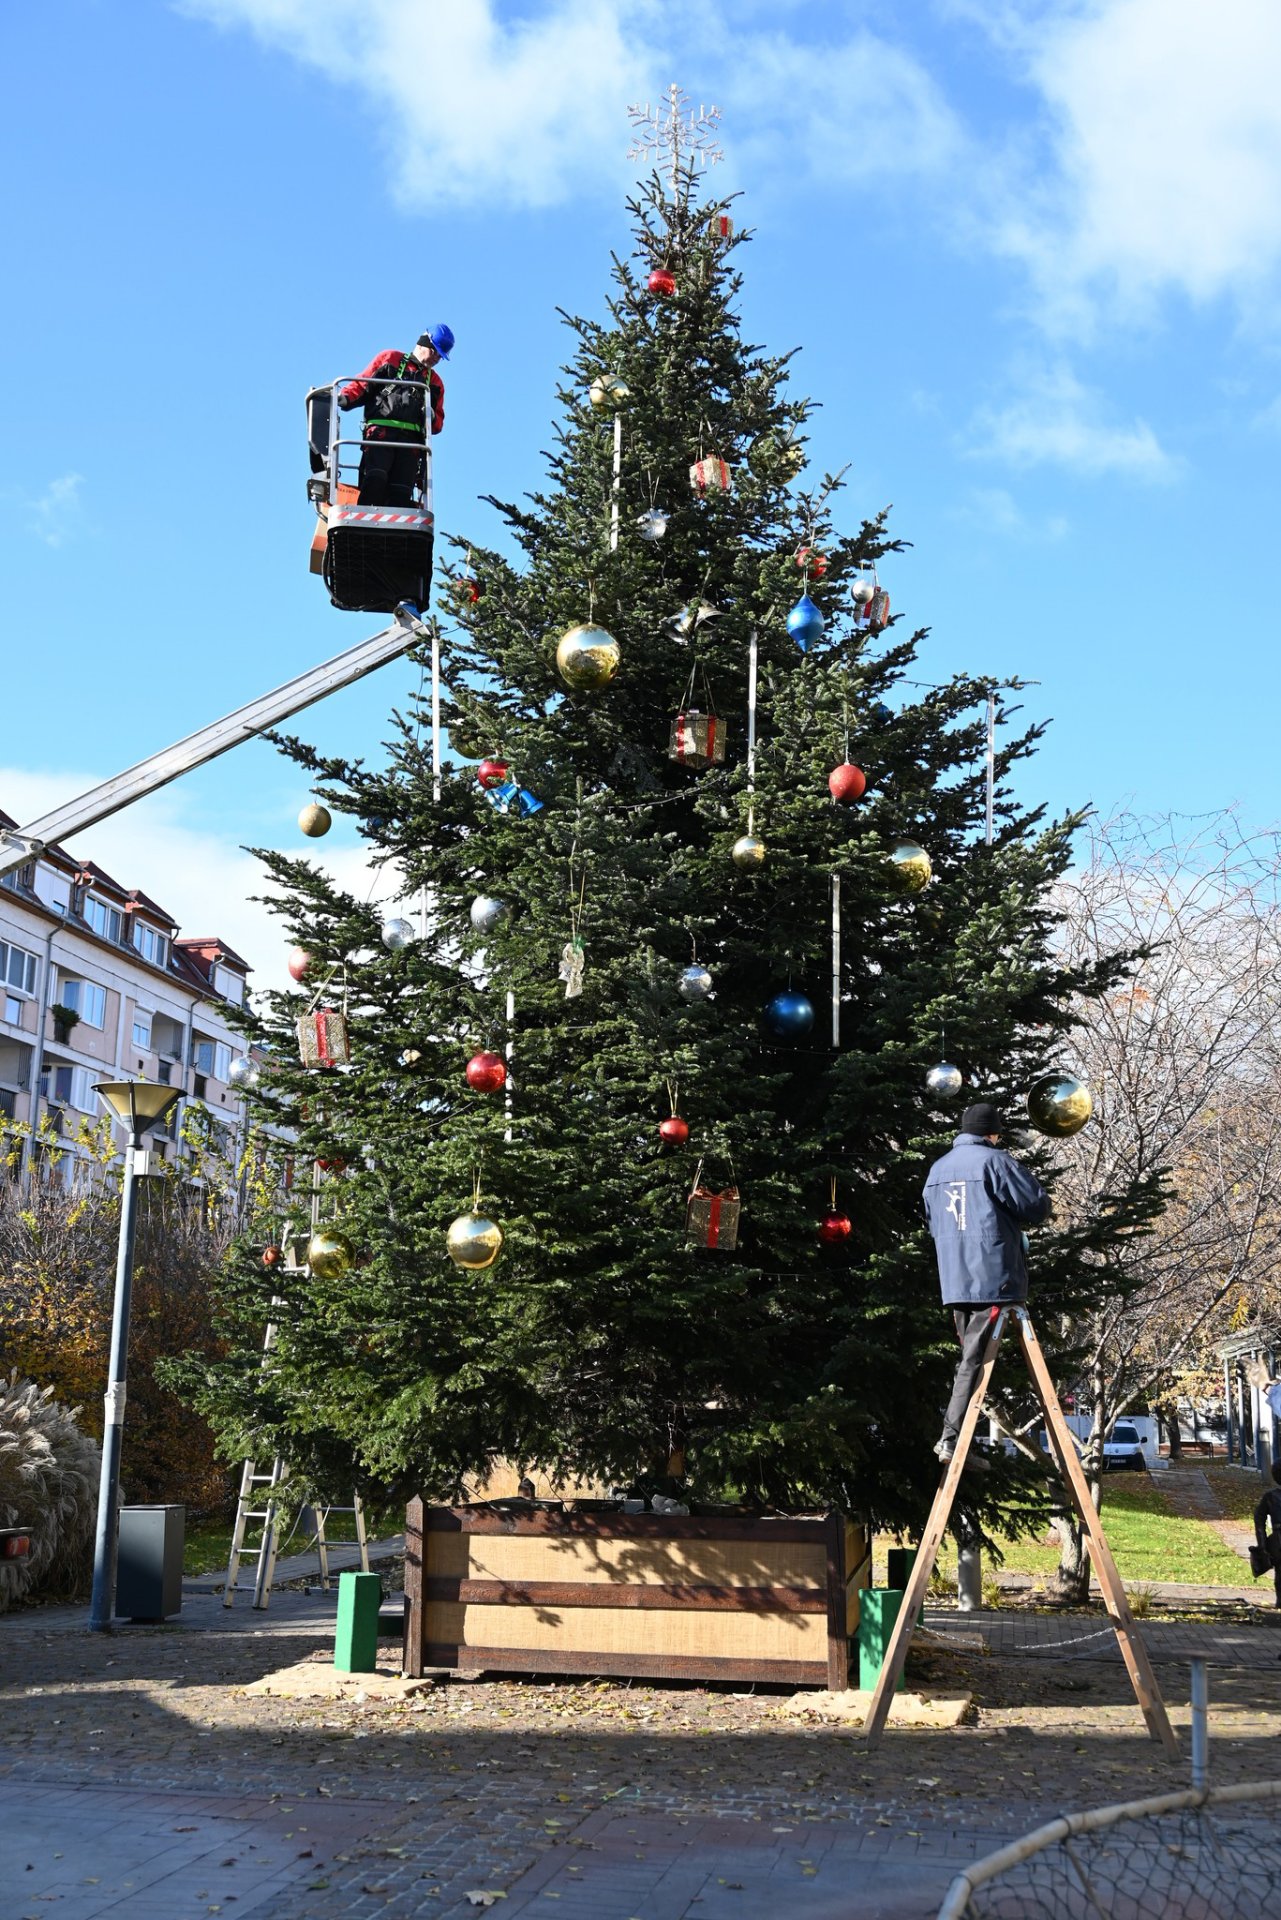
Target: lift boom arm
{"x":16,"y":848}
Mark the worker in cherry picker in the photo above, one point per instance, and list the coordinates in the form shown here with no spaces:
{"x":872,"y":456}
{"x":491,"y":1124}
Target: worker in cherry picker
{"x":391,"y":461}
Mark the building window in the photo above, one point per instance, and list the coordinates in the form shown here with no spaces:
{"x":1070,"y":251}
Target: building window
{"x":17,"y":968}
{"x":86,"y":998}
{"x":72,"y":1087}
{"x":13,"y":1009}
{"x":213,"y":1059}
{"x":142,"y":1029}
{"x":150,"y":944}
{"x":102,"y":918}
{"x":230,"y":985}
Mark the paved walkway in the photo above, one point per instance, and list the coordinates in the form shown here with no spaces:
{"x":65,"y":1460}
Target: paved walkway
{"x":139,"y":1782}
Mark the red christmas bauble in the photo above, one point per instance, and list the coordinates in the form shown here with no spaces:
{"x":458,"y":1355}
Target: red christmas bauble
{"x":271,"y":1256}
{"x":492,"y":773}
{"x":834,"y":1229}
{"x":298,"y":962}
{"x":816,"y":562}
{"x":332,"y":1166}
{"x":487,"y":1072}
{"x":674,"y":1132}
{"x":466,"y":588}
{"x":847,"y":782}
{"x":662,"y":281}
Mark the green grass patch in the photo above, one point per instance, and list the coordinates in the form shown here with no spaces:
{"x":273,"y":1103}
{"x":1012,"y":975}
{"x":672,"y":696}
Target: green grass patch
{"x":208,"y":1546}
{"x":1148,"y":1542}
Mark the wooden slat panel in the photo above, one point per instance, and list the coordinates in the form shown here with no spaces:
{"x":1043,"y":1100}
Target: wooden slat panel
{"x":599,"y":1593}
{"x":838,"y":1640}
{"x":793,"y":1673}
{"x":623,"y":1562}
{"x":413,"y":1653}
{"x":700,"y":1633}
{"x":630,"y":1526}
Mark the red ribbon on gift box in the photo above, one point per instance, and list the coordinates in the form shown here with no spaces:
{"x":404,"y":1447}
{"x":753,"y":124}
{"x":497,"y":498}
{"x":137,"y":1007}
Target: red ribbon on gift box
{"x":323,"y":1054}
{"x":714,"y":1220}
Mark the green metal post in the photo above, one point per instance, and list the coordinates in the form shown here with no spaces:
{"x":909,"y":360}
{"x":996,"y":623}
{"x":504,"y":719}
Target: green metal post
{"x":878,"y":1610}
{"x":356,"y":1638}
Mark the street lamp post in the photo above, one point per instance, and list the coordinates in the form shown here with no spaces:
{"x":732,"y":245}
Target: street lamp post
{"x":140,"y":1104}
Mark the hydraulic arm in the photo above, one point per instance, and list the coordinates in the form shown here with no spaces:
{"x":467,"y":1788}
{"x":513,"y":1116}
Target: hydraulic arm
{"x":17,"y":847}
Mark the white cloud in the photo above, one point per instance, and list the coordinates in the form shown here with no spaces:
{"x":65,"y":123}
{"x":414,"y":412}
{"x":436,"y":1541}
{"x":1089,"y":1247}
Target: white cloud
{"x":526,"y":110}
{"x":53,"y":514}
{"x":1159,"y":164}
{"x":530,"y":111}
{"x":994,"y":510}
{"x":1056,"y":420}
{"x":870,"y":110}
{"x":193,"y":872}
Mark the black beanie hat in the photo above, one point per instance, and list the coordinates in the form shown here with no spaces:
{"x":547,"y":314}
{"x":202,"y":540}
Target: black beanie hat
{"x":982,"y":1117}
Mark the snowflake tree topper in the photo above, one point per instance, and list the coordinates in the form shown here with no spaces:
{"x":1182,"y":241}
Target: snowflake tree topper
{"x":675,"y":134}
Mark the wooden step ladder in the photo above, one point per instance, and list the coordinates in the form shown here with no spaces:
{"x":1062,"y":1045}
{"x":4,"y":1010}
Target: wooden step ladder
{"x":1129,"y":1639}
{"x":258,"y":1501}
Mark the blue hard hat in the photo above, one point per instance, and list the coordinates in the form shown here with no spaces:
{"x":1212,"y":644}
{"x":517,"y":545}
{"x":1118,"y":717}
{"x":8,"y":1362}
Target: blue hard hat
{"x":441,"y":337}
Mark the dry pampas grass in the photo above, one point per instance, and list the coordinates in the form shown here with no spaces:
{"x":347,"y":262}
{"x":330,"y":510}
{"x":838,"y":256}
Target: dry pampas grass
{"x":49,"y":1483}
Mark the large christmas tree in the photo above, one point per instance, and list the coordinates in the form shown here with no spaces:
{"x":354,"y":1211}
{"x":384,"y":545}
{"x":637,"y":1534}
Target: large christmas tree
{"x":790,"y":1366}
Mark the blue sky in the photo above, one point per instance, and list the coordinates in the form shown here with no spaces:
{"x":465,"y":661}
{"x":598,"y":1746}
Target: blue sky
{"x":1030,"y":252}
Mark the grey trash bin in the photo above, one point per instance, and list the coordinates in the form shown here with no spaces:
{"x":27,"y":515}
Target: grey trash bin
{"x":149,"y":1562}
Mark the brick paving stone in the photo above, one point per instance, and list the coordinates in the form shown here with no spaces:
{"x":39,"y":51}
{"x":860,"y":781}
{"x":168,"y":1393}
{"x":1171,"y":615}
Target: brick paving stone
{"x":587,"y":1801}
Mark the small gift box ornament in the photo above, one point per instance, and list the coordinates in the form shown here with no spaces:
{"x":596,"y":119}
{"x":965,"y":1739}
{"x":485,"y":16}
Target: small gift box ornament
{"x":711,"y":475}
{"x":711,"y":1218}
{"x":722,"y":226}
{"x":323,"y":1040}
{"x":878,"y":610}
{"x":697,"y":739}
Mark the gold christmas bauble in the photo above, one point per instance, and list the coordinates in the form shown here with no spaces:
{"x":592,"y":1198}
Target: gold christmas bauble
{"x":1059,"y":1104}
{"x":910,"y":867}
{"x":609,"y":391}
{"x":329,"y":1254}
{"x":587,"y":658}
{"x":474,"y":1242}
{"x":315,"y":820}
{"x":747,"y":851}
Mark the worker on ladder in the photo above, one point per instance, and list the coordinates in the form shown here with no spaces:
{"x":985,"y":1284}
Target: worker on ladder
{"x":978,"y":1200}
{"x":391,"y":460}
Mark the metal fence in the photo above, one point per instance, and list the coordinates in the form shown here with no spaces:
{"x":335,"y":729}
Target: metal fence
{"x":1208,"y":1855}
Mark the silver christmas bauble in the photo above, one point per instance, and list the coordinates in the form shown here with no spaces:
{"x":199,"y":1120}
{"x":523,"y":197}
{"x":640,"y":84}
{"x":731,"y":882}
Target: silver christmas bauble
{"x":747,"y":851}
{"x":474,"y":1242}
{"x":487,"y":913}
{"x":944,"y":1081}
{"x":397,"y":934}
{"x":609,"y":392}
{"x":1059,"y":1104}
{"x":652,"y":524}
{"x":244,"y":1074}
{"x":695,"y":983}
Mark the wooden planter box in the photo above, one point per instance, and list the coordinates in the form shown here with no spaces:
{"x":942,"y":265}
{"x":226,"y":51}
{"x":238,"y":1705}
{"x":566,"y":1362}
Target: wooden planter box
{"x":518,"y":1588}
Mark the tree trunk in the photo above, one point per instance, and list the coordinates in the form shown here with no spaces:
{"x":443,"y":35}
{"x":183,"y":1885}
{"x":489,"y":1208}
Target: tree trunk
{"x":1171,"y":1417}
{"x":1070,"y":1586}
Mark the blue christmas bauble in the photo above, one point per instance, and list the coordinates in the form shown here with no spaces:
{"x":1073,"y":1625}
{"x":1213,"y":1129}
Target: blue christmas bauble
{"x":805,"y":623}
{"x":789,"y":1015}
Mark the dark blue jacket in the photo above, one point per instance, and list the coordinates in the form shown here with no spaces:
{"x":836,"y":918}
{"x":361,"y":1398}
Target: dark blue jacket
{"x":978,"y":1199}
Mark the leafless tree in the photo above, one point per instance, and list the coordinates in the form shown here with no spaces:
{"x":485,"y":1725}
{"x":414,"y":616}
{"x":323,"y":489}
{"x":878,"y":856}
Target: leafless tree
{"x":1184,"y":1060}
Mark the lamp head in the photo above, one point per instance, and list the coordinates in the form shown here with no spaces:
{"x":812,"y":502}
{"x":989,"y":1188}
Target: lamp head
{"x":139,"y":1103}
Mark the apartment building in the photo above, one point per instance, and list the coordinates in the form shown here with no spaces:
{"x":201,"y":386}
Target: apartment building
{"x":97,"y":984}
